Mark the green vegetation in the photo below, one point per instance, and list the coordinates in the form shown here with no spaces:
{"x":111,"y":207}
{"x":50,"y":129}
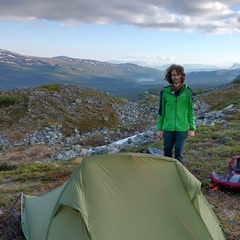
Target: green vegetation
{"x":13,"y":116}
{"x":237,"y":80}
{"x":154,"y":91}
{"x":14,"y":107}
{"x":35,"y":172}
{"x":49,"y":87}
{"x":197,"y":91}
{"x":29,"y":178}
{"x":221,"y":99}
{"x":149,"y":99}
{"x":10,"y":99}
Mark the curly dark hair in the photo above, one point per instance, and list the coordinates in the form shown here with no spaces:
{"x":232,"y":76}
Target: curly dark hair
{"x":180,"y":70}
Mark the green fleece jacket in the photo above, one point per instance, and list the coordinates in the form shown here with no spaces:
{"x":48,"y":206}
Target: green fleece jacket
{"x":176,"y":111}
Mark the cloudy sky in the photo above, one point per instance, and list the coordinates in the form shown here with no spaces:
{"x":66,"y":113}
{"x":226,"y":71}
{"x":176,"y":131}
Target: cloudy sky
{"x":154,"y":31}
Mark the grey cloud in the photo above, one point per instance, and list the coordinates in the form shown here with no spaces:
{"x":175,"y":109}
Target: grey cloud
{"x":206,"y":16}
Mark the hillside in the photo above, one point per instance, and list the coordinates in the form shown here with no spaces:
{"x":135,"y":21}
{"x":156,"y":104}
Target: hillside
{"x":70,"y":107}
{"x":24,"y":111}
{"x":40,"y":125}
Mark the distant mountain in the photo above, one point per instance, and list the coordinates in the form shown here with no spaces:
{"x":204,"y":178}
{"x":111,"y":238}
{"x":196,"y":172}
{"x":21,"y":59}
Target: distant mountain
{"x":21,"y":71}
{"x":187,"y":67}
{"x":18,"y":71}
{"x":206,"y":79}
{"x":193,"y":67}
{"x":199,"y":67}
{"x":235,"y":66}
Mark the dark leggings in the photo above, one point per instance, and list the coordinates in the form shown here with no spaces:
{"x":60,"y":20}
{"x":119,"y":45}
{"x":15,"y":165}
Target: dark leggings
{"x":174,"y":139}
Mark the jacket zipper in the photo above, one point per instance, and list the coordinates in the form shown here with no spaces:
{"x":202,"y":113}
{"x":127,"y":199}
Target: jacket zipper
{"x":176,"y":113}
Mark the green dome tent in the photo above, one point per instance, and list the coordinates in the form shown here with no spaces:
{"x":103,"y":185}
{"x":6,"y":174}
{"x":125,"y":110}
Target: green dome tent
{"x":123,"y":197}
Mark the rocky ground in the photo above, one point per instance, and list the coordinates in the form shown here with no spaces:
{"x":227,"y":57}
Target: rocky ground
{"x":50,"y":144}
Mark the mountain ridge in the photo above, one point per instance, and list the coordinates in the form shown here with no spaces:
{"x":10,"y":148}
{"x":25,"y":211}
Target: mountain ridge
{"x":22,"y":71}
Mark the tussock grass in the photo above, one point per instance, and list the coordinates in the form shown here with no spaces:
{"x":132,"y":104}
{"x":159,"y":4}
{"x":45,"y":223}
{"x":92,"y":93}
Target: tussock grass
{"x":221,"y":99}
{"x":15,"y":106}
{"x":30,"y":178}
{"x":49,"y":87}
{"x":7,"y":100}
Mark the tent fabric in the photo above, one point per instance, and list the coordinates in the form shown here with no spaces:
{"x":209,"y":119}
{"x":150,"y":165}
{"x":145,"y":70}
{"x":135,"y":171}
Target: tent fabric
{"x":123,"y":196}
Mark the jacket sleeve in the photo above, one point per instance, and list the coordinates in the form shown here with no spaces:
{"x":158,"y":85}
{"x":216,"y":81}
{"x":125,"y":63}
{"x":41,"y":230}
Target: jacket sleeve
{"x":191,"y":117}
{"x":161,"y":112}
